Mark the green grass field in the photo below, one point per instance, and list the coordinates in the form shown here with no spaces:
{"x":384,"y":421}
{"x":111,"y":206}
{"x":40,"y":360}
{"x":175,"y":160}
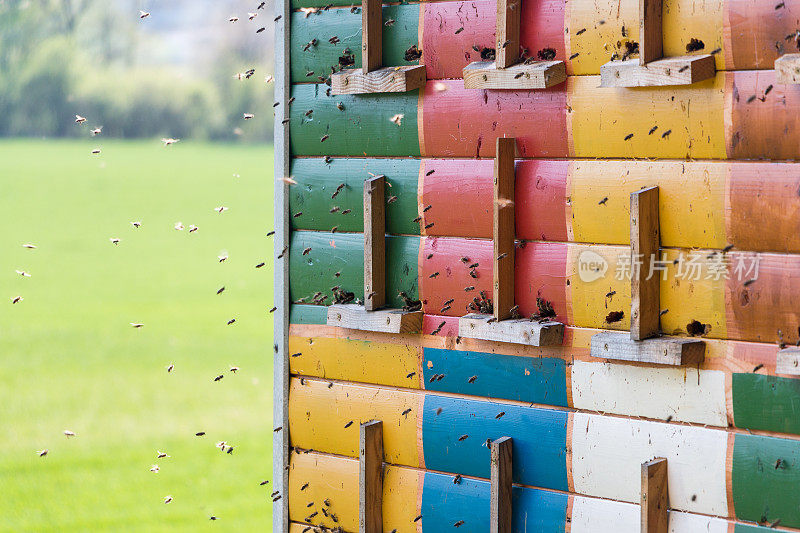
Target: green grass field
{"x":69,"y":358}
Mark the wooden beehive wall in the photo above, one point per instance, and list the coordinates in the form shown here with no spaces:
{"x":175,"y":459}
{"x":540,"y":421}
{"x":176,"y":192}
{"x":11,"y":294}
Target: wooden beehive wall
{"x":721,"y":151}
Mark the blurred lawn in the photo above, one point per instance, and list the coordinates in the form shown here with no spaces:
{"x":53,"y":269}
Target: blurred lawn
{"x":69,"y":358}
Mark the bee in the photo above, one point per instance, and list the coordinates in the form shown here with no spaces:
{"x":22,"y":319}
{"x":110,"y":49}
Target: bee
{"x":68,"y":433}
{"x":749,"y":100}
{"x":276,"y":498}
{"x":463,"y":438}
{"x":758,"y":367}
{"x":444,"y":309}
{"x":263,"y":483}
{"x":502,"y":256}
{"x":434,"y":275}
{"x":233,"y":19}
{"x":260,"y":265}
{"x":161,"y":455}
{"x":169,"y":141}
{"x":457,"y":479}
{"x":218,"y":378}
{"x":397,"y":119}
{"x":628,"y":136}
{"x":324,"y":138}
{"x":115,"y":240}
{"x":406,"y":412}
{"x":154,"y":469}
{"x":749,"y":282}
{"x":459,"y":30}
{"x":221,"y":209}
{"x":428,"y":226}
{"x":683,"y":68}
{"x":79,"y":119}
{"x":192,"y":228}
{"x":334,"y":40}
{"x":304,"y":487}
{"x":666,"y":134}
{"x":29,"y":246}
{"x":251,"y":16}
{"x":499,"y":415}
{"x":234,"y":369}
{"x":778,"y":463}
{"x":170,"y":368}
{"x":222,"y":258}
{"x":389,"y":22}
{"x":307,"y":251}
{"x":417,"y":219}
{"x":472,"y":379}
{"x":340,"y":106}
{"x":467,"y":289}
{"x":438,"y":411}
{"x":418,"y":518}
{"x":273,"y":309}
{"x":519,"y":75}
{"x":289,"y":102}
{"x":346,"y":211}
{"x":42,"y":453}
{"x":459,"y":523}
{"x":439,"y":327}
{"x":663,"y":312}
{"x":391,"y":200}
{"x":410,"y":375}
{"x":167,"y":499}
{"x":178,"y":226}
{"x":348,"y":424}
{"x":137,"y":325}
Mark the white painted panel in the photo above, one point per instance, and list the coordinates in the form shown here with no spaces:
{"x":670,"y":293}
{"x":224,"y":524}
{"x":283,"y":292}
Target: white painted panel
{"x":607,"y":454}
{"x":592,"y":515}
{"x":652,"y":392}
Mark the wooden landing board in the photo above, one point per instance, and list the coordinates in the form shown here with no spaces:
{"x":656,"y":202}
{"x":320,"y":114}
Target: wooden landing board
{"x":670,"y":71}
{"x":534,"y":75}
{"x":660,"y":350}
{"x":503,"y":229}
{"x":517,"y":331}
{"x":353,"y":316}
{"x":370,"y":477}
{"x":787,"y":69}
{"x":712,"y":471}
{"x":500,"y":508}
{"x":437,"y":504}
{"x":655,"y":496}
{"x":374,"y":243}
{"x":788,"y":362}
{"x":384,"y":80}
{"x":645,"y":280}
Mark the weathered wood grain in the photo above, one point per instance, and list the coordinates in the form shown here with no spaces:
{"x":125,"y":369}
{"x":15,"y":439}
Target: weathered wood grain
{"x":352,"y":316}
{"x":370,"y":477}
{"x":517,"y":331}
{"x":503,"y":228}
{"x":655,"y":496}
{"x":371,"y":38}
{"x":501,"y":509}
{"x":650,"y":31}
{"x":507,"y":42}
{"x":533,"y":75}
{"x":787,"y":69}
{"x":384,"y":80}
{"x":645,"y":278}
{"x":660,"y":350}
{"x":670,"y":71}
{"x":374,"y":243}
{"x":788,"y":362}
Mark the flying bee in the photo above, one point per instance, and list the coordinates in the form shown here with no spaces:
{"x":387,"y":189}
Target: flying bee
{"x":397,"y":119}
{"x":434,"y":275}
{"x":137,"y":325}
{"x":348,"y":424}
{"x":307,"y":251}
{"x":405,"y":412}
{"x":96,"y":151}
{"x":472,"y":379}
{"x":170,"y":368}
{"x":218,"y":378}
{"x":389,"y":22}
{"x":42,"y":453}
{"x":324,"y":138}
{"x":154,"y":469}
{"x":500,"y":414}
{"x":391,"y":200}
{"x":248,"y":116}
{"x":79,"y":119}
{"x":457,"y":479}
{"x":463,"y":437}
{"x":161,"y":455}
{"x":167,"y":499}
{"x":346,"y":211}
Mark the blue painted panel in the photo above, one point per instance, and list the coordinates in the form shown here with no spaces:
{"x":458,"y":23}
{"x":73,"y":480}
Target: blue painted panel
{"x":445,"y":503}
{"x":308,"y":314}
{"x":540,"y":439}
{"x":527,"y":379}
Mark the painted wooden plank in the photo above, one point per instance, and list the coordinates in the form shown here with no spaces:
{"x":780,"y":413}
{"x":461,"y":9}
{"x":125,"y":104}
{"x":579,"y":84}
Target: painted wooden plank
{"x":655,"y":392}
{"x":607,"y":454}
{"x":324,"y":55}
{"x":370,"y":477}
{"x":374,"y":243}
{"x":307,"y":314}
{"x":645,"y":244}
{"x":330,"y":253}
{"x":768,"y":403}
{"x":363,"y":126}
{"x":503,"y":225}
{"x":539,"y":380}
{"x":764,"y":479}
{"x":655,"y":496}
{"x":500,"y":507}
{"x":345,"y":359}
{"x":673,"y":351}
{"x":518,"y":331}
{"x":318,"y":180}
{"x":398,"y":79}
{"x":352,"y":316}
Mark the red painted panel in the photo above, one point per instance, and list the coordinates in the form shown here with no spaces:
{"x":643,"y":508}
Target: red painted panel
{"x":446,"y":53}
{"x":764,"y":206}
{"x":766,"y":129}
{"x":460,"y":195}
{"x":541,"y":273}
{"x":541,"y":200}
{"x":751,"y":24}
{"x":460,"y":122}
{"x":431,"y":323}
{"x":766,"y":309}
{"x":453,"y":277}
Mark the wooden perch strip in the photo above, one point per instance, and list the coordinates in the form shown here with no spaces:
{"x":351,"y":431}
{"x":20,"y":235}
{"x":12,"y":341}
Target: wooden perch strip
{"x":674,"y":351}
{"x":500,"y":508}
{"x":503,"y":233}
{"x":645,"y":280}
{"x":370,"y":477}
{"x":655,"y":496}
{"x":374,"y":243}
{"x":352,"y":316}
{"x":372,"y":35}
{"x":650,"y":31}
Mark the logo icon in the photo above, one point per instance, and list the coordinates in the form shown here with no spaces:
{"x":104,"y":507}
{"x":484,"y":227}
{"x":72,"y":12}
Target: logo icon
{"x":591,"y":266}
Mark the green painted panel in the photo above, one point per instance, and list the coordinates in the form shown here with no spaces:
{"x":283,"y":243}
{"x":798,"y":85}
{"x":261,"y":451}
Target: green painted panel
{"x":317,"y":181}
{"x":362,"y":128}
{"x":308,"y":314}
{"x":344,"y":253}
{"x":766,"y":479}
{"x":398,"y":37}
{"x":766,"y":402}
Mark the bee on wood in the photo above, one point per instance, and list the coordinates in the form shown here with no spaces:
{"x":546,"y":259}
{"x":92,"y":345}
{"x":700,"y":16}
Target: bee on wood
{"x":500,"y":415}
{"x":457,"y":479}
{"x":463,"y":438}
{"x":348,"y":424}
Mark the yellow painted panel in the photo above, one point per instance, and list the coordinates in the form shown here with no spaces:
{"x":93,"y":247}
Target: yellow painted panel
{"x":688,"y":299}
{"x":603,"y":119}
{"x":318,"y":415}
{"x":593,"y":299}
{"x":336,"y":479}
{"x":355,"y":360}
{"x":324,"y":478}
{"x":601,"y":22}
{"x":691,"y":201}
